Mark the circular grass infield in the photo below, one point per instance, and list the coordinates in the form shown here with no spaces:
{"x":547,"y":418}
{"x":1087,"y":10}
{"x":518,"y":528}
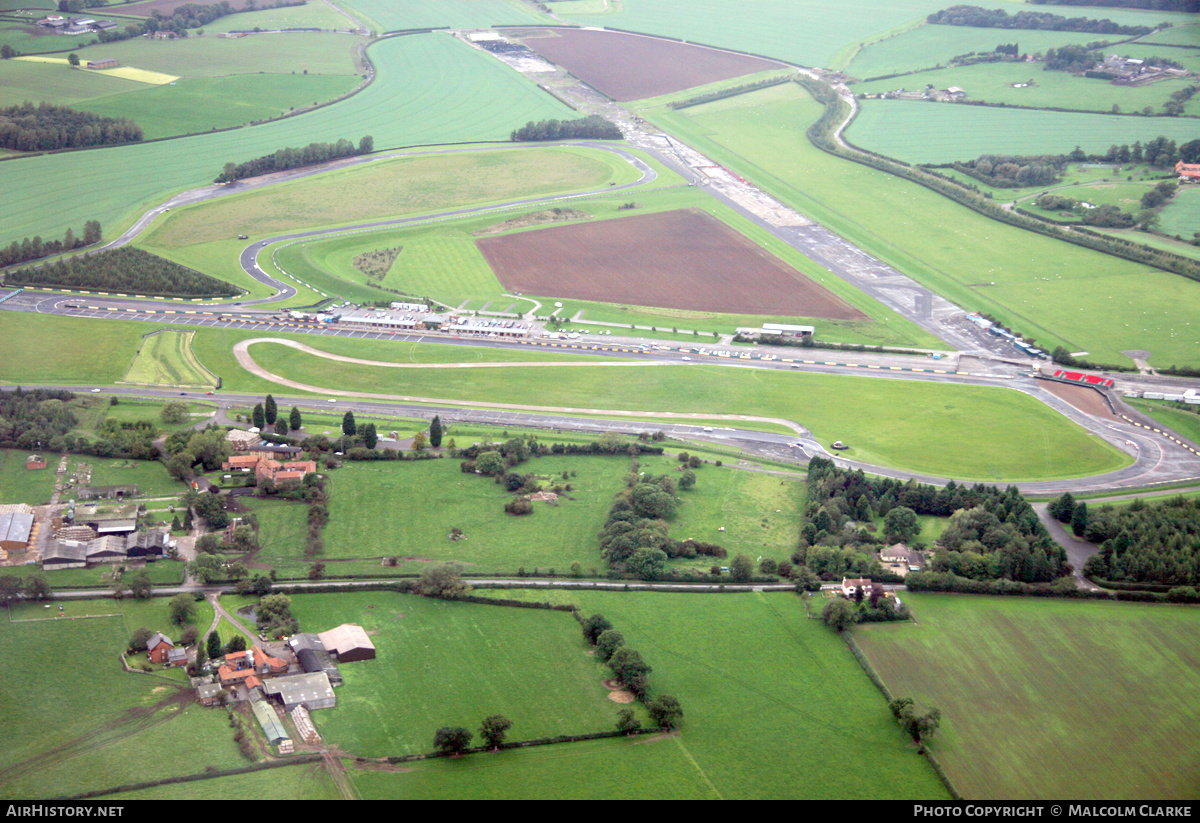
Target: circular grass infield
{"x":948,"y":430}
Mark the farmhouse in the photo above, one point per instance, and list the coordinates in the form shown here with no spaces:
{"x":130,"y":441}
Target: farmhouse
{"x":901,"y":556}
{"x":162,"y":651}
{"x":265,"y":468}
{"x":851,"y":586}
{"x":1188,"y":171}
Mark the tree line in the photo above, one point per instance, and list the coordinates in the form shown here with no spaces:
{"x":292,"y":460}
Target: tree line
{"x":593,"y":127}
{"x":47,"y":127}
{"x":41,"y":419}
{"x":291,"y":158}
{"x":1153,"y":5}
{"x":123,"y":270}
{"x":35,"y":248}
{"x":977,"y":17}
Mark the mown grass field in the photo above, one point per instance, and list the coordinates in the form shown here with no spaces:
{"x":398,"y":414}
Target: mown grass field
{"x":412,"y":185}
{"x":428,"y":89}
{"x":167,"y":359}
{"x":1071,"y":699}
{"x":310,"y":15}
{"x":306,"y":781}
{"x":1014,"y":436}
{"x":453,"y":664}
{"x":920,"y":132}
{"x":1043,"y":288}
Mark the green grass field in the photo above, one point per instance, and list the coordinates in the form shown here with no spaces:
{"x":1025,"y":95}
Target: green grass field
{"x":310,"y":15}
{"x":995,"y":83}
{"x":1182,"y":215}
{"x":453,"y":664}
{"x":1049,"y":699}
{"x":398,"y":15}
{"x":1043,"y":288}
{"x":1184,"y":423}
{"x":101,"y":742}
{"x":1024,"y":440}
{"x":429,"y":89}
{"x":927,"y":46}
{"x":920,"y":132}
{"x":18,"y":484}
{"x":167,"y":359}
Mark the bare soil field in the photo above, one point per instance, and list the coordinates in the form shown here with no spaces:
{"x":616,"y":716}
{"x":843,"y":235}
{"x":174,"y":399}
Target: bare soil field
{"x":1081,"y":397}
{"x":633,"y":67}
{"x":682,"y":259}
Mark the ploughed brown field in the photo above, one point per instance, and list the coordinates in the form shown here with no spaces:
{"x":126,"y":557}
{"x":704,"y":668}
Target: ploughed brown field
{"x":631,"y":67}
{"x":682,"y":259}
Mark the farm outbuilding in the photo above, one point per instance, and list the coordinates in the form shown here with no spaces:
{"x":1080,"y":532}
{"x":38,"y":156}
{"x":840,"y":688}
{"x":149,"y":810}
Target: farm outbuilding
{"x":106,"y":63}
{"x":15,"y":532}
{"x":348,"y":643}
{"x":313,"y":691}
{"x":314,"y":657}
{"x":35,"y":461}
{"x":271,"y":725}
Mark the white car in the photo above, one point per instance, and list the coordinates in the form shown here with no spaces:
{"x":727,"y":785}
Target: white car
{"x":331,"y":400}
{"x":687,"y":358}
{"x":95,"y":391}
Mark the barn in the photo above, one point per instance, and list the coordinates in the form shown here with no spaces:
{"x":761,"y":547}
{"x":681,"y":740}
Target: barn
{"x":348,"y":642}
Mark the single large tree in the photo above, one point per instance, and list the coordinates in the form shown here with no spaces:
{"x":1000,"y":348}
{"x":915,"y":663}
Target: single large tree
{"x":435,"y":432}
{"x":259,"y":416}
{"x":294,"y":421}
{"x":140,"y":586}
{"x":174,"y":413}
{"x":370,"y":435}
{"x":182,"y":609}
{"x":901,"y":525}
{"x":839,"y":614}
{"x":595,"y":626}
{"x":452,"y":740}
{"x":493,"y":729}
{"x":442,"y":580}
{"x":271,"y":410}
{"x":665,"y":711}
{"x":349,"y":427}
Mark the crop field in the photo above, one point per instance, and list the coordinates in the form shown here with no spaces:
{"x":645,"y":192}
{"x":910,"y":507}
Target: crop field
{"x":928,"y":46}
{"x":432,"y":670}
{"x":1046,"y":289}
{"x":1182,"y":215}
{"x":803,"y":32}
{"x":996,"y":83}
{"x":676,"y":259}
{"x":398,"y":15}
{"x":1051,"y":668}
{"x":393,"y":187}
{"x":166,"y":359}
{"x":37,"y":81}
{"x":1014,"y":436}
{"x":428,"y":89}
{"x":200,"y":104}
{"x":628,"y":67}
{"x":919,"y":132}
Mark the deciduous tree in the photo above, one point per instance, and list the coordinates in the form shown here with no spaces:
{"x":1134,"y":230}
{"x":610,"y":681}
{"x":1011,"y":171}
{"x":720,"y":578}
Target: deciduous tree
{"x":452,"y":740}
{"x":493,"y":729}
